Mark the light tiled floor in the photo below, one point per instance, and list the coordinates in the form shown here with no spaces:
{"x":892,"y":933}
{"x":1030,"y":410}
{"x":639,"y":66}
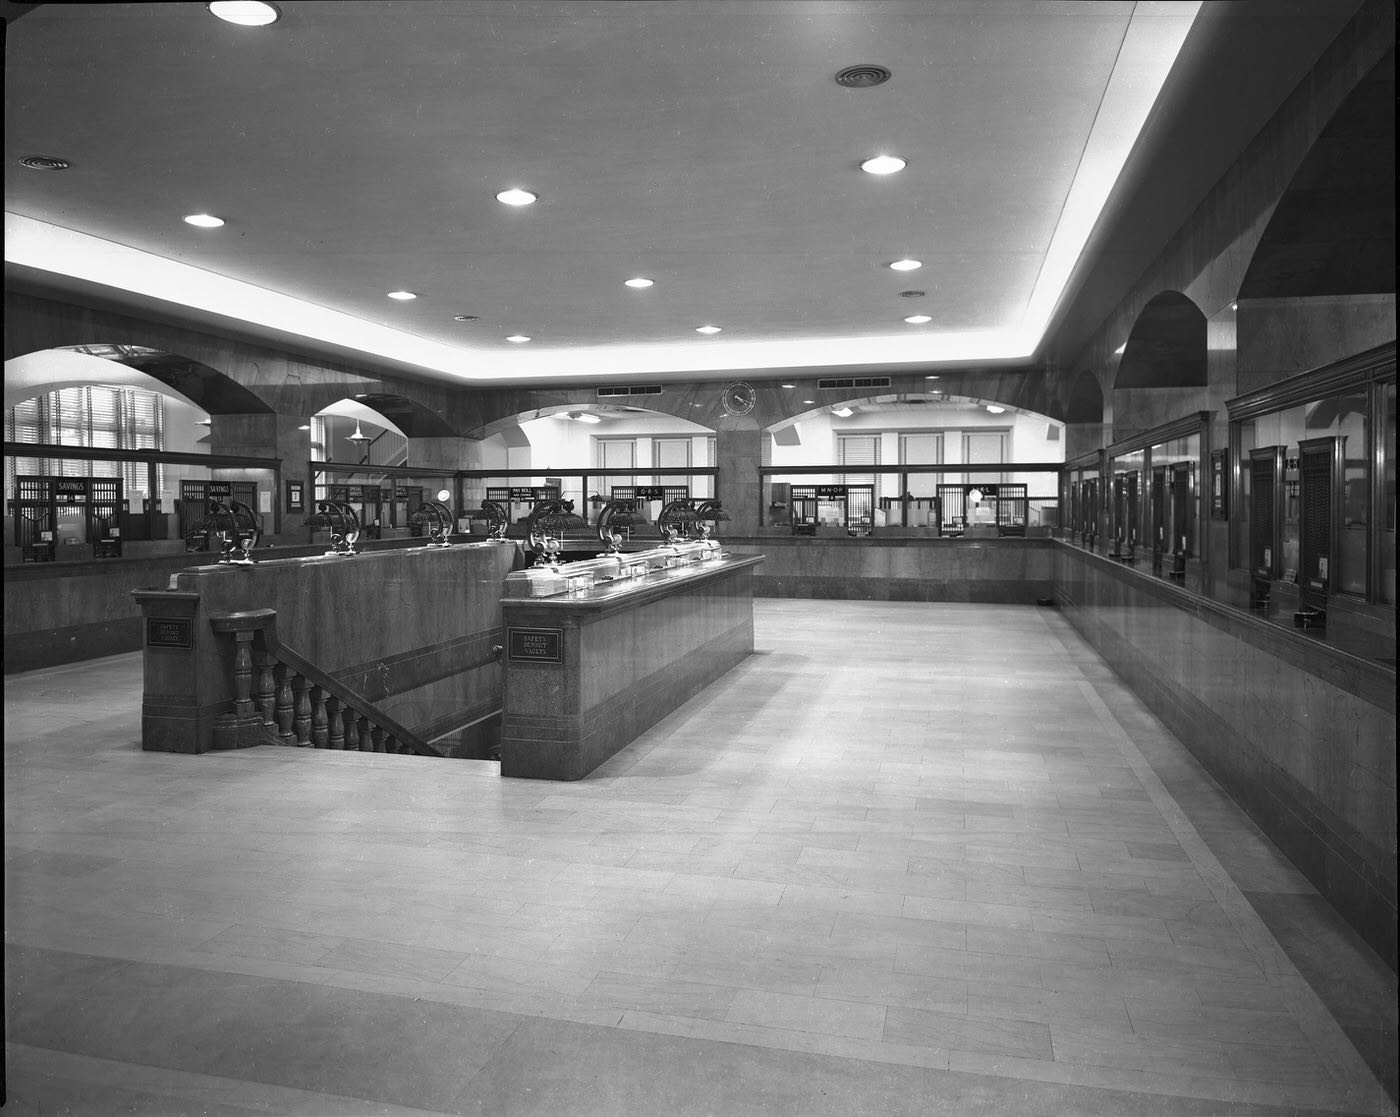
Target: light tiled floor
{"x":907,"y":859}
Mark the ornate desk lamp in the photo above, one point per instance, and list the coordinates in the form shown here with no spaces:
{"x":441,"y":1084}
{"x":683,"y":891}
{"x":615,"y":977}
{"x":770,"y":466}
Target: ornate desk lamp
{"x":495,"y":518}
{"x":238,"y":527}
{"x":438,"y":518}
{"x":617,"y":517}
{"x":677,"y":520}
{"x":707,"y":514}
{"x":545,"y":529}
{"x":341,"y":520}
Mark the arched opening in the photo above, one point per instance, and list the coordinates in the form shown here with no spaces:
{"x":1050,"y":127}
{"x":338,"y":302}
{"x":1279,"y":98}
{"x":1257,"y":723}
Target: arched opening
{"x":1333,"y":231}
{"x":903,"y":460}
{"x":1320,"y":286}
{"x":100,"y":400}
{"x":590,"y":454}
{"x":1163,"y":370}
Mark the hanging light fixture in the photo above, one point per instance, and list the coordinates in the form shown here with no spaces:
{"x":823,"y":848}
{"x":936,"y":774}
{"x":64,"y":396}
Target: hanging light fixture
{"x":359,"y":435}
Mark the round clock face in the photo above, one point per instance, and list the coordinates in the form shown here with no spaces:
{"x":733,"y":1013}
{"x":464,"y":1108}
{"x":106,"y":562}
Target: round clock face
{"x":738,"y":398}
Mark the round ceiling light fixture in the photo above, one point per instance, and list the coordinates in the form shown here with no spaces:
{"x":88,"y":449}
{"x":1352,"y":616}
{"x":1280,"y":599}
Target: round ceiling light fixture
{"x":638,"y":282}
{"x":863,"y":76}
{"x":517,"y":197}
{"x":245,"y":13}
{"x":918,"y":319}
{"x":883,"y":165}
{"x":707,"y":329}
{"x":519,"y":339}
{"x":465,"y":318}
{"x":906,"y":265}
{"x":402,"y":296}
{"x":44,"y":163}
{"x":203,"y":220}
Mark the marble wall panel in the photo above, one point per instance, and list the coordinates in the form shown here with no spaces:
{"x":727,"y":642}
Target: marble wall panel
{"x":892,"y":569}
{"x":1302,"y":735}
{"x":625,"y":666}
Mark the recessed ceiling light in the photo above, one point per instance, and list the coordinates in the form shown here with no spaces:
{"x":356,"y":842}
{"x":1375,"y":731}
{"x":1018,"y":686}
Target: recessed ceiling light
{"x":809,"y":401}
{"x":515,"y":197}
{"x":519,"y":339}
{"x":911,"y":294}
{"x":883,"y":165}
{"x":789,"y":385}
{"x":918,"y":319}
{"x":304,"y":427}
{"x":842,"y":411}
{"x":707,"y":329}
{"x":465,"y":318}
{"x":638,"y":281}
{"x":245,"y":13}
{"x":204,"y":220}
{"x":931,"y":376}
{"x":906,"y":265}
{"x":994,"y":409}
{"x":402,"y":296}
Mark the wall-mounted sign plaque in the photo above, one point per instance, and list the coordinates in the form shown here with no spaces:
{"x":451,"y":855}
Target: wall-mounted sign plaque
{"x":169,"y":632}
{"x":535,"y":645}
{"x":830,"y":492}
{"x":649,"y":492}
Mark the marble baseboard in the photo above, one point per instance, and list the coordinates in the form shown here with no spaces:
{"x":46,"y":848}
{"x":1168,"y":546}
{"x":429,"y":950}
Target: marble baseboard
{"x":28,"y":651}
{"x":998,"y":591}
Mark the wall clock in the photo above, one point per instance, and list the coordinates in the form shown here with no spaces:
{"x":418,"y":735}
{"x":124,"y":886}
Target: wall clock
{"x":738,"y":398}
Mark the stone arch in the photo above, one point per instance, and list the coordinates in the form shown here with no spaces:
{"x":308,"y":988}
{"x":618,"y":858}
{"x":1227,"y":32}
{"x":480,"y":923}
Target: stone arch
{"x":1333,"y":230}
{"x":135,"y":366}
{"x":1085,"y":403}
{"x":1167,"y":346}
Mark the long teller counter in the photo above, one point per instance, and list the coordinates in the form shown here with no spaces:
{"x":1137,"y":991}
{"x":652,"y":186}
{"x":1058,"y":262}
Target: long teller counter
{"x":596,"y":652}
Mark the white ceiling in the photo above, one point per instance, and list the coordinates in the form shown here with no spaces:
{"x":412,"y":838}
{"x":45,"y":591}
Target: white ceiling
{"x":356,"y":148}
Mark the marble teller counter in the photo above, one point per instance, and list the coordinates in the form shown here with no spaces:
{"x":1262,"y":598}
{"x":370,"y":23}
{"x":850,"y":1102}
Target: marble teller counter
{"x":597,"y":652}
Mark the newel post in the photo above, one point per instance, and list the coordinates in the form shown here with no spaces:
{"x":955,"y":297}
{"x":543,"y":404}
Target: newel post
{"x":242,"y":727}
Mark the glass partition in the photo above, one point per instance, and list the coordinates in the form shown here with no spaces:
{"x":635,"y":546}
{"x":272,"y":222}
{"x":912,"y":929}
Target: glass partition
{"x":69,"y":502}
{"x":1316,"y":481}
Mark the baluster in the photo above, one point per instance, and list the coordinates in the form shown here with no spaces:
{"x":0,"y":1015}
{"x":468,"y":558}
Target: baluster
{"x":391,"y":744}
{"x":266,"y":694}
{"x":286,"y":711}
{"x":319,"y":735}
{"x":335,"y":714}
{"x":302,"y":724}
{"x":376,"y":736}
{"x":354,"y":731}
{"x":243,"y":674}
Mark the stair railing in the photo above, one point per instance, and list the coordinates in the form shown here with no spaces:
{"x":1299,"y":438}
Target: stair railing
{"x":281,"y":698}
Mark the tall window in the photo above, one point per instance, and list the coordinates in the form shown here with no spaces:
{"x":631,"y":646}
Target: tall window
{"x":858,"y":449}
{"x":90,"y":415}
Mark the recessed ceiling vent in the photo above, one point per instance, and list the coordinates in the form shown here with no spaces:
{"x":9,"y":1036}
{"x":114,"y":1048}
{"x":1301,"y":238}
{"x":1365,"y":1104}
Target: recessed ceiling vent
{"x":44,"y":163}
{"x":863,"y":77}
{"x":630,"y":390}
{"x":911,"y":294}
{"x":855,"y":382}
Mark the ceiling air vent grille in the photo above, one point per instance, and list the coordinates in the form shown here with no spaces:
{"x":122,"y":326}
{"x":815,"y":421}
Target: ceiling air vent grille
{"x":855,"y":382}
{"x":863,"y":77}
{"x":44,"y":163}
{"x":629,"y":390}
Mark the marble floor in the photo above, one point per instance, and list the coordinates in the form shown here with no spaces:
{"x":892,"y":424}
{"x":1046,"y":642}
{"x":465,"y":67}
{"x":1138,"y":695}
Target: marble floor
{"x":907,"y":859}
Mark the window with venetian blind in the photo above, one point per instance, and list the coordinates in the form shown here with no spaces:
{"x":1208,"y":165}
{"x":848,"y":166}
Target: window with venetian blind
{"x":92,"y":415}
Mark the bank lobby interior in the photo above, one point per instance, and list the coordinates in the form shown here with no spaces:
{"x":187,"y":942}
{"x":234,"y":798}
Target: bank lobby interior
{"x":984,"y":699}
